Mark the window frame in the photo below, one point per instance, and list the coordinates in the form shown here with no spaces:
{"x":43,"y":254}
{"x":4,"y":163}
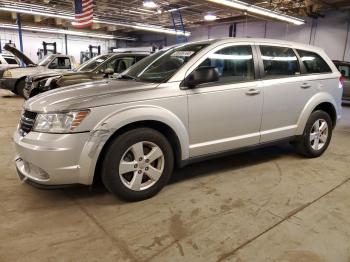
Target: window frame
{"x":103,"y":65}
{"x":11,"y":58}
{"x":57,"y":68}
{"x":305,"y":72}
{"x":213,"y":51}
{"x":262,"y":67}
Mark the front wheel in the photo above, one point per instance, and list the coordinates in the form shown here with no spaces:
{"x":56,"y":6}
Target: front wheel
{"x":317,"y":135}
{"x":137,"y":164}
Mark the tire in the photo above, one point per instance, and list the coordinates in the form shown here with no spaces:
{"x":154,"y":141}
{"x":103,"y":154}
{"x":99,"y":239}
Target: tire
{"x":20,"y":87}
{"x":123,"y":154}
{"x":307,"y":145}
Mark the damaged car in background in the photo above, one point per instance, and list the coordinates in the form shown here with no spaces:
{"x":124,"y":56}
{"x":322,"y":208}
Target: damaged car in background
{"x":13,"y":79}
{"x":94,"y":69}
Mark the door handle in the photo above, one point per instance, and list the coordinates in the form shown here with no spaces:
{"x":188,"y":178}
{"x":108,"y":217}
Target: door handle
{"x":305,"y":85}
{"x":252,"y":92}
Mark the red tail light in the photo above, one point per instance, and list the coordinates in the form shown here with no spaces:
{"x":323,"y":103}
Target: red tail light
{"x":341,"y":81}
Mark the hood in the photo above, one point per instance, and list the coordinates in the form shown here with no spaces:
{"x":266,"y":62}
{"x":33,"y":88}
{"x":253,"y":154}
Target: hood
{"x":38,"y":77}
{"x":25,"y":59}
{"x":89,"y":95}
{"x":19,"y":72}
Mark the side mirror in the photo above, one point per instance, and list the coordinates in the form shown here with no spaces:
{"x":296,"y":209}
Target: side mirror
{"x":202,"y":75}
{"x":108,"y":71}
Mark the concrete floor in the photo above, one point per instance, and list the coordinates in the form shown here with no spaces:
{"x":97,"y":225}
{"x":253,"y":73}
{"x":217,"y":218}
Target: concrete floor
{"x":266,"y":205}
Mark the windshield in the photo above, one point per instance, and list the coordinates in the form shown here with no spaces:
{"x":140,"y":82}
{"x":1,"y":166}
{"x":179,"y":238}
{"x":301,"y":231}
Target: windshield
{"x":46,"y":60}
{"x":93,"y":63}
{"x":162,"y":65}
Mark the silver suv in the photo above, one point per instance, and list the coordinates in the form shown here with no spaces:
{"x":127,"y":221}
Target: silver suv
{"x":177,"y":106}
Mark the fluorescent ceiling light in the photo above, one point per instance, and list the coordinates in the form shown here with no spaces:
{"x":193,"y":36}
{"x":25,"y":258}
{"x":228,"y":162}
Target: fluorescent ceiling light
{"x":210,"y":17}
{"x":142,"y":27}
{"x":161,"y":30}
{"x":65,"y":32}
{"x":149,"y":4}
{"x":259,"y":11}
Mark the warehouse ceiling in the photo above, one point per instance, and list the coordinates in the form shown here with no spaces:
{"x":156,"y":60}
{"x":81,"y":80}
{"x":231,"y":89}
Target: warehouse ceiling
{"x":133,"y":11}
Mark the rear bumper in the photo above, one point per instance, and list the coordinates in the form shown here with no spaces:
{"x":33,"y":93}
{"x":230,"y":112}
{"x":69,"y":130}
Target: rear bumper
{"x":8,"y":84}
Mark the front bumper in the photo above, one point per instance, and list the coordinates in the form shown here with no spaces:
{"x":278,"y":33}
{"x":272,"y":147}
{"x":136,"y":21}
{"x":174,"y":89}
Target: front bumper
{"x":24,"y":177}
{"x":8,"y":83}
{"x":51,"y":159}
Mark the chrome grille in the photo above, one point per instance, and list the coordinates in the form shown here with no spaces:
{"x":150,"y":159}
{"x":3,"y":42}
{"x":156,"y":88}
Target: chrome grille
{"x":27,"y":122}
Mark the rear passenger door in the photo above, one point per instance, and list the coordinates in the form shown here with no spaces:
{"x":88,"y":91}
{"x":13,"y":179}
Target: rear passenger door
{"x":286,"y":91}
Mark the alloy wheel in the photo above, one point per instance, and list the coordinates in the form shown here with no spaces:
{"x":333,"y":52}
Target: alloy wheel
{"x":141,"y":166}
{"x":319,"y":134}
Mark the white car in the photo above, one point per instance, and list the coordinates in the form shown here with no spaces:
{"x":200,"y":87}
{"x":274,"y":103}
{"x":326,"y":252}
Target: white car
{"x":8,"y":61}
{"x":13,"y":79}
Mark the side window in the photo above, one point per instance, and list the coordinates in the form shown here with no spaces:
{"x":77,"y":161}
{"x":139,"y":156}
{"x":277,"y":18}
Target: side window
{"x":313,"y":62}
{"x":60,"y":63}
{"x":119,"y":65}
{"x":234,"y":64}
{"x":279,"y":61}
{"x":11,"y":61}
{"x":344,"y":70}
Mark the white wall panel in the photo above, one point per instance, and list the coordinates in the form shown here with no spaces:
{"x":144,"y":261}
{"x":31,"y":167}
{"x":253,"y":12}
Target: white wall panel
{"x":330,"y":33}
{"x":218,"y":31}
{"x":32,"y":41}
{"x":200,"y":33}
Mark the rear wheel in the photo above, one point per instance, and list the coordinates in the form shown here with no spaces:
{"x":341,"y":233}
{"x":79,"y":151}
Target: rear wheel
{"x":317,"y":135}
{"x":137,"y":164}
{"x":20,"y":87}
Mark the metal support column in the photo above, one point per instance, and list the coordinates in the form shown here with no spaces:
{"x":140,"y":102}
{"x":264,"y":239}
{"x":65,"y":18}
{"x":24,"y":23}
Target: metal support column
{"x":19,"y":23}
{"x":66,"y":43}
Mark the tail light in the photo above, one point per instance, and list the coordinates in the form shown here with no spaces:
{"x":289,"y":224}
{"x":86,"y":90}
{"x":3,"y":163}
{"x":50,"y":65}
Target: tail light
{"x":341,"y":81}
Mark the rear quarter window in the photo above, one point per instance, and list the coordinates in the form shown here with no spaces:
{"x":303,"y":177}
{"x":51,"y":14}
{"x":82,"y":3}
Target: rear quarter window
{"x":314,"y":63}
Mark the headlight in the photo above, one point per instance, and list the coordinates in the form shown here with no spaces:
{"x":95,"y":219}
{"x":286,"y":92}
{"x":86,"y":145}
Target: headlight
{"x":7,"y":74}
{"x":59,"y":122}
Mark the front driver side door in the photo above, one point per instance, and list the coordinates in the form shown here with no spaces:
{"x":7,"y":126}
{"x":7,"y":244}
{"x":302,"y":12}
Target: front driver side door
{"x":226,"y":115}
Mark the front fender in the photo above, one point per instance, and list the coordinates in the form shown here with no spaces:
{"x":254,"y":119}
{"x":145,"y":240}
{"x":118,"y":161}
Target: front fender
{"x":113,"y":122}
{"x":316,"y":100}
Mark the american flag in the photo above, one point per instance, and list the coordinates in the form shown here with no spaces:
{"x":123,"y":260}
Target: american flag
{"x":83,"y":13}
